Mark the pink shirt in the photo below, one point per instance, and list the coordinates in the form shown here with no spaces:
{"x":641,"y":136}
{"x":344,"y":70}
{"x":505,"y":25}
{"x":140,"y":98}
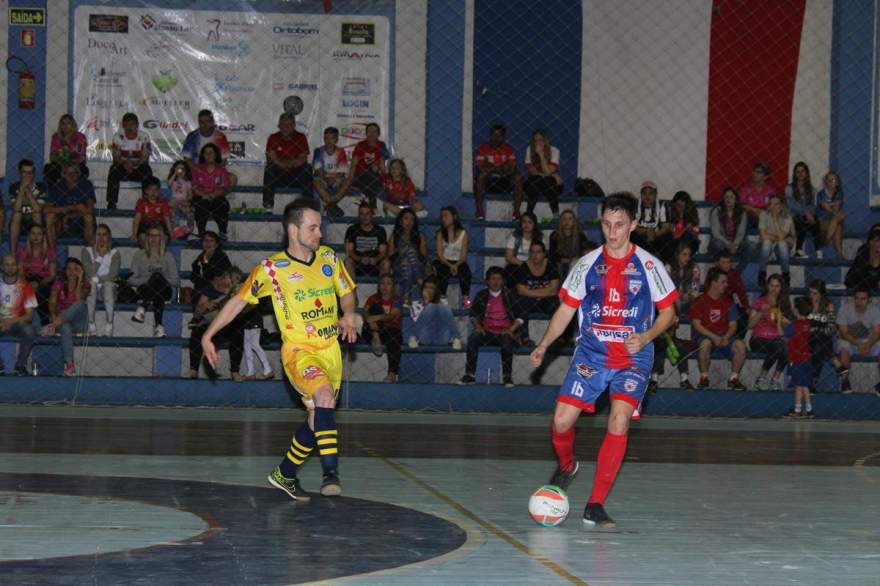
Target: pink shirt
{"x":207,"y":180}
{"x":76,"y":144}
{"x":495,"y":321}
{"x":66,"y":297}
{"x":38,"y":265}
{"x":752,"y":195}
{"x":766,"y":327}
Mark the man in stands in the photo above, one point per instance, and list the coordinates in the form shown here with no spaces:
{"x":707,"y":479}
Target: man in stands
{"x":713,"y":319}
{"x":27,"y":197}
{"x":365,"y":244}
{"x":496,"y":171}
{"x":330,"y":168}
{"x":71,"y":201}
{"x":368,"y":160}
{"x":287,"y":161}
{"x":859,"y":325}
{"x":754,"y":194}
{"x":17,"y":302}
{"x":206,"y":133}
{"x":131,"y":149}
{"x":736,"y":291}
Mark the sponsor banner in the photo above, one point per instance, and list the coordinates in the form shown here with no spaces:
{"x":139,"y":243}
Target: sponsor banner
{"x":166,"y":65}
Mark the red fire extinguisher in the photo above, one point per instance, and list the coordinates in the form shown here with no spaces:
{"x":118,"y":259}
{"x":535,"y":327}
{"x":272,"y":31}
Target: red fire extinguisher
{"x":27,"y":91}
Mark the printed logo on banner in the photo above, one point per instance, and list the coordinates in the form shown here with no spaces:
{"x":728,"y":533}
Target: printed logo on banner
{"x":108,"y":23}
{"x":102,"y":102}
{"x":236,"y":50}
{"x":357,"y":33}
{"x":348,"y":55}
{"x":236,"y":149}
{"x":289,"y":51}
{"x":285,"y":86}
{"x":96,"y":124}
{"x":219,"y":28}
{"x":296,"y":29}
{"x":162,"y":102}
{"x":349,"y":103}
{"x":164,"y":80}
{"x":103,"y":77}
{"x":108,"y":47}
{"x":243,"y":128}
{"x":148,"y":23}
{"x":356,"y":86}
{"x":160,"y":50}
{"x":166,"y":124}
{"x":231,"y":83}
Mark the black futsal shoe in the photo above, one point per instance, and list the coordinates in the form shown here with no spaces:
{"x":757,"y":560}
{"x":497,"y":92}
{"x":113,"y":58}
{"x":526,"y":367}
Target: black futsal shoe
{"x":331,"y":485}
{"x":595,"y":515}
{"x":562,"y":479}
{"x":289,"y":485}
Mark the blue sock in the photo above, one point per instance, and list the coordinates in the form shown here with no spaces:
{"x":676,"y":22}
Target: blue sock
{"x":325,"y":433}
{"x":301,"y":445}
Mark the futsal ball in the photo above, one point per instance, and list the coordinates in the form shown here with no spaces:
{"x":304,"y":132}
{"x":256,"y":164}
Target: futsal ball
{"x":548,"y":506}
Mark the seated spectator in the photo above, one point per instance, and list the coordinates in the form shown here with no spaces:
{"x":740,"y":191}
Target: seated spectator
{"x":400,"y":192}
{"x":330,"y":168}
{"x":67,"y":306}
{"x":212,"y":261}
{"x":713,"y":319}
{"x":451,"y":244}
{"x":800,"y":198}
{"x":408,"y":254}
{"x":542,"y":169}
{"x":382,"y":325}
{"x":206,"y":133}
{"x":150,"y":211}
{"x":180,"y":183}
{"x":865,"y":269}
{"x":736,"y":291}
{"x":101,"y":264}
{"x":367,"y":170}
{"x":17,"y":302}
{"x":537,"y":286}
{"x":287,"y":161}
{"x":38,"y":264}
{"x":822,"y":317}
{"x":769,"y":315}
{"x":28,"y":198}
{"x":71,"y":205}
{"x":210,"y":301}
{"x":800,"y":371}
{"x":365,"y":244}
{"x":131,"y":150}
{"x":829,"y":211}
{"x":859,"y":325}
{"x":728,"y":222}
{"x":252,"y":322}
{"x":519,"y":243}
{"x":211,"y":183}
{"x":433,"y":322}
{"x":754,"y":193}
{"x":568,"y":243}
{"x":685,"y":274}
{"x":651,"y":214}
{"x":496,"y":172}
{"x":495,"y":322}
{"x":68,"y":147}
{"x":154,"y":273}
{"x":777,"y":236}
{"x":684,"y":225}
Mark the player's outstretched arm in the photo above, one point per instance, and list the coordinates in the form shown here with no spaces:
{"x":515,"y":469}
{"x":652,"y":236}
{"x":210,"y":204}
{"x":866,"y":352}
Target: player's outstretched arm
{"x":232,"y":308}
{"x":558,"y":323}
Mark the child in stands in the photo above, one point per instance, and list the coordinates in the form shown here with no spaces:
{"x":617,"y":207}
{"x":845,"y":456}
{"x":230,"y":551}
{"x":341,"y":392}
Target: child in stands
{"x":800,"y":370}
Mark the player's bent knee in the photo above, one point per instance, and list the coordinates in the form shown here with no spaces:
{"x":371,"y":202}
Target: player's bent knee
{"x":324,"y":397}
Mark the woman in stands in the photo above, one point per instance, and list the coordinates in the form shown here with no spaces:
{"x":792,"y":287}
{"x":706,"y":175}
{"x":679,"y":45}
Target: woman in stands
{"x":382,"y":324}
{"x":728,"y":222}
{"x":542,"y":172}
{"x":823,"y":331}
{"x":408,"y":254}
{"x":651,"y":215}
{"x":39,"y":263}
{"x":777,"y":236}
{"x":211,"y":262}
{"x":568,"y":243}
{"x":67,"y":307}
{"x":829,"y":210}
{"x":800,"y":197}
{"x":220,"y":289}
{"x":519,"y":242}
{"x":211,"y":183}
{"x":400,"y":192}
{"x":68,"y":146}
{"x":769,"y":314}
{"x":686,"y":275}
{"x":433,"y":322}
{"x":451,"y":244}
{"x":685,"y":227}
{"x":154,"y":273}
{"x":866,"y":266}
{"x":101,"y":263}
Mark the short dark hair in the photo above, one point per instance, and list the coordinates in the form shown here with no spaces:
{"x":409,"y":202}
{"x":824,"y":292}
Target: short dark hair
{"x":621,"y":200}
{"x":331,"y":130}
{"x":25,"y":163}
{"x":538,"y":243}
{"x":293,"y":212}
{"x":863,"y":288}
{"x":500,"y":127}
{"x":149,"y":182}
{"x":763,"y":167}
{"x":714,"y":274}
{"x":494,"y":270}
{"x":286,"y":115}
{"x":373,"y":125}
{"x":129,"y":116}
{"x":205,"y":113}
{"x":803,"y":305}
{"x":365,"y":203}
{"x":723,"y":254}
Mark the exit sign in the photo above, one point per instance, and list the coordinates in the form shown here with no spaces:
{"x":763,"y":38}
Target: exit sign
{"x":27,"y":16}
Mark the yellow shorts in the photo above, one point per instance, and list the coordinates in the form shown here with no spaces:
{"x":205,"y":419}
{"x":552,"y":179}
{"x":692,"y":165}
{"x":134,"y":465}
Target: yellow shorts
{"x":309,"y":370}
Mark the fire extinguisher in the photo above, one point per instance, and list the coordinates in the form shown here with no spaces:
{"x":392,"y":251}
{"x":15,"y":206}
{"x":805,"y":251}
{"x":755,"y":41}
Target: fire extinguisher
{"x":27,"y":91}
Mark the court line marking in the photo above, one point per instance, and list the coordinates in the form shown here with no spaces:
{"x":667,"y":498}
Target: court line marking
{"x":861,"y":461}
{"x":487,"y":525}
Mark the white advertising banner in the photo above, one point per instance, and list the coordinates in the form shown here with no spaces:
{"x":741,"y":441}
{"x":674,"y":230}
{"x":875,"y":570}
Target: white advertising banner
{"x":166,"y":65}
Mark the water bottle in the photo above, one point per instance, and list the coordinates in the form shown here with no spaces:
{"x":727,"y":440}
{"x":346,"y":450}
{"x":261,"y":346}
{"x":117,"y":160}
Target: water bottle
{"x":488,"y":376}
{"x":672,"y":352}
{"x":243,"y":209}
{"x":34,"y":368}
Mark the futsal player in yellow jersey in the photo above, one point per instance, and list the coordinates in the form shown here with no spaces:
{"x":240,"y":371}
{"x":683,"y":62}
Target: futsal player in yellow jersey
{"x":303,"y":282}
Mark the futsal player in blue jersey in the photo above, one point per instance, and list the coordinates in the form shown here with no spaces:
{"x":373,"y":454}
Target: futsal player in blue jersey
{"x":613,"y":290}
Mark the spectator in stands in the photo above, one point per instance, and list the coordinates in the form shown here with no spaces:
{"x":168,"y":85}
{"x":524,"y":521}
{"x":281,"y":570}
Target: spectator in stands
{"x":210,"y":301}
{"x":206,"y":133}
{"x":800,"y":198}
{"x":800,"y":371}
{"x":382,"y":325}
{"x":495,"y":322}
{"x":754,"y":193}
{"x":829,"y":210}
{"x":28,"y":198}
{"x":150,"y":211}
{"x":154,"y":273}
{"x":67,"y":306}
{"x":542,"y":169}
{"x":433,"y":322}
{"x":451,"y":243}
{"x":400,"y":192}
{"x":537,"y":286}
{"x":252,"y":319}
{"x":651,"y":214}
{"x":568,"y":243}
{"x":777,"y":236}
{"x":770,"y":313}
{"x":865,"y":269}
{"x":713,"y":319}
{"x":408,"y":254}
{"x":330,"y":168}
{"x":519,"y":243}
{"x":822,"y":318}
{"x":39,"y":263}
{"x":180,"y":183}
{"x":212,"y":261}
{"x":684,"y":225}
{"x":68,"y":147}
{"x":17,"y":302}
{"x":365,"y":244}
{"x":728,"y":223}
{"x":736,"y":291}
{"x":211,"y":183}
{"x":859,"y":325}
{"x":71,"y":205}
{"x":131,"y":150}
{"x":287,"y":161}
{"x":685,"y":273}
{"x":101,"y":264}
{"x":367,"y":170}
{"x":496,"y":171}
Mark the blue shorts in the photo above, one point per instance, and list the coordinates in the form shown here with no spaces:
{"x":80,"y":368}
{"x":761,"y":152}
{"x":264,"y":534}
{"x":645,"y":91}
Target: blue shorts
{"x":587,"y":379}
{"x":725,"y":351}
{"x":800,"y":374}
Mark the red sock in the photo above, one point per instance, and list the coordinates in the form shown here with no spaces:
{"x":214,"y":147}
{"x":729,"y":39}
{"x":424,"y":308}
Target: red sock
{"x":607,"y":465}
{"x":563,"y":444}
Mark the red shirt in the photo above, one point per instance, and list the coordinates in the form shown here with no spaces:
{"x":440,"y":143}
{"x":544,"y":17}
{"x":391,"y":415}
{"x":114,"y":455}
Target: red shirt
{"x":152,"y":212}
{"x":288,"y":148}
{"x":387,"y":306}
{"x":399,"y":193}
{"x":366,"y":155}
{"x":714,"y":314}
{"x":736,"y":289}
{"x":489,"y":156}
{"x":207,"y":180}
{"x":37,"y":265}
{"x":798,"y":341}
{"x":66,"y":297}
